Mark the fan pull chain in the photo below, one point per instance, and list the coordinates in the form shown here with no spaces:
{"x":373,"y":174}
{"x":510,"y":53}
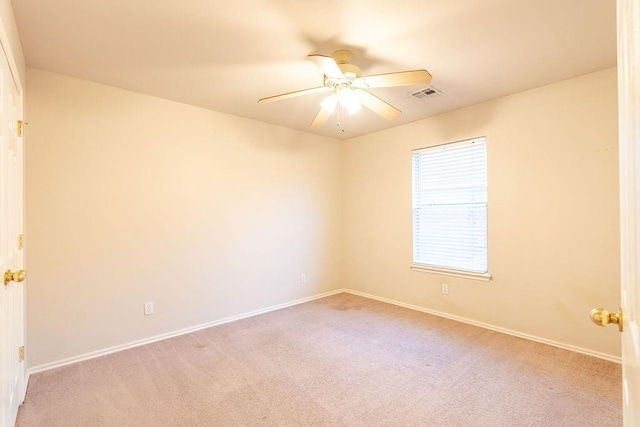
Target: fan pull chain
{"x":338,"y":123}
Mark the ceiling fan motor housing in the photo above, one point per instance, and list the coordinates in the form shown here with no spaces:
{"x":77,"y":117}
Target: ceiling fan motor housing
{"x":342,"y":58}
{"x":350,"y":71}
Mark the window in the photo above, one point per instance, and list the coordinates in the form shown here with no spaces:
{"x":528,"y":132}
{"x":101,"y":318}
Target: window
{"x":450,"y":208}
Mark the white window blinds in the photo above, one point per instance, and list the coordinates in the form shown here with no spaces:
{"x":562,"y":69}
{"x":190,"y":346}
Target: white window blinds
{"x":450,"y":206}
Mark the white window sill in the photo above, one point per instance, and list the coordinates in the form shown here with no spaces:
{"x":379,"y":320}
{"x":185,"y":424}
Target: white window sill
{"x":485,"y":277}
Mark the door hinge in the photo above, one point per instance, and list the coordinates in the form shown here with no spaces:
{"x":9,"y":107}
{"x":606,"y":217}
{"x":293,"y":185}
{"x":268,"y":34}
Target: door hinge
{"x":21,"y":353}
{"x":20,"y":241}
{"x":21,"y":127}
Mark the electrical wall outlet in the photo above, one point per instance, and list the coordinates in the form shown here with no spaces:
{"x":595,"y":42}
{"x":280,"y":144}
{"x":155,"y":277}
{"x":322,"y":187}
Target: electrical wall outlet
{"x":148,"y":308}
{"x":303,"y":279}
{"x":445,"y":289}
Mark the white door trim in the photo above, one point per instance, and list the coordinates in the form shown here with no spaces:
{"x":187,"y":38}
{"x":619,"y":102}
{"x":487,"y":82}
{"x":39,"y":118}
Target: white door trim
{"x":629,"y":134}
{"x":13,"y":70}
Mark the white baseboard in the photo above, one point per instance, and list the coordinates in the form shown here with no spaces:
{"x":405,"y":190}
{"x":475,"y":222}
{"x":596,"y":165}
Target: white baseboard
{"x":144,"y":341}
{"x":576,"y":349}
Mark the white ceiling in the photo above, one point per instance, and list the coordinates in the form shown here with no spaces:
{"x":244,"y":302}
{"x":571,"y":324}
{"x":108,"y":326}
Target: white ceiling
{"x":224,"y":55}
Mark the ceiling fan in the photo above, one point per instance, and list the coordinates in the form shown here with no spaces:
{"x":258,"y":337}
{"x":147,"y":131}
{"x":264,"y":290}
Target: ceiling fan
{"x":349,"y":88}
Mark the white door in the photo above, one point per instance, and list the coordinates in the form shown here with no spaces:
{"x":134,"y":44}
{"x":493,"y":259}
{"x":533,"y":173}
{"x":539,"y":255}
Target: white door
{"x":629,"y":126}
{"x":11,"y":254}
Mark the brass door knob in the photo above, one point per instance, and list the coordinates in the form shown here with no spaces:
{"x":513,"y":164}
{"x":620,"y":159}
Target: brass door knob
{"x":15,"y":276}
{"x":602,"y":317}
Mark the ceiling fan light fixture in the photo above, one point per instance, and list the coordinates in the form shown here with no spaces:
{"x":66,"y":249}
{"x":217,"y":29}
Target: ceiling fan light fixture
{"x":348,"y":99}
{"x":354,"y":107}
{"x":329,"y":104}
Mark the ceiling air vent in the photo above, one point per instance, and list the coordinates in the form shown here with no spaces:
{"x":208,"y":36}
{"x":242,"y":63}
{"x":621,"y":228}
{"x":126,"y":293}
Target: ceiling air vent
{"x":429,"y":92}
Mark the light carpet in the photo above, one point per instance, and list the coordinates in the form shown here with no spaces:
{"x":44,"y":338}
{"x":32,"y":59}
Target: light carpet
{"x":342,"y":360}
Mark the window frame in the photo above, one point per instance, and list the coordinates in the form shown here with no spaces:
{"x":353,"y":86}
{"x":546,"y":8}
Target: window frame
{"x":443,"y":270}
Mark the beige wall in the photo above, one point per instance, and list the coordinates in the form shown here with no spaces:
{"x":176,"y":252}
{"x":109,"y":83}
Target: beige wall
{"x":553,"y":212}
{"x":132,"y":198}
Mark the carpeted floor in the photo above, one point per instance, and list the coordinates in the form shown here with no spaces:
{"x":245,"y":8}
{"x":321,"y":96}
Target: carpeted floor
{"x":343,"y":360}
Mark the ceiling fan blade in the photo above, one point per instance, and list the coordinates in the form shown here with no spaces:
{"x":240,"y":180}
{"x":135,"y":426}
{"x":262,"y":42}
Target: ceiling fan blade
{"x":293,"y":94}
{"x":321,"y":118}
{"x":377,"y":105}
{"x":402,"y":78}
{"x":328,"y":66}
{"x":328,"y":106}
